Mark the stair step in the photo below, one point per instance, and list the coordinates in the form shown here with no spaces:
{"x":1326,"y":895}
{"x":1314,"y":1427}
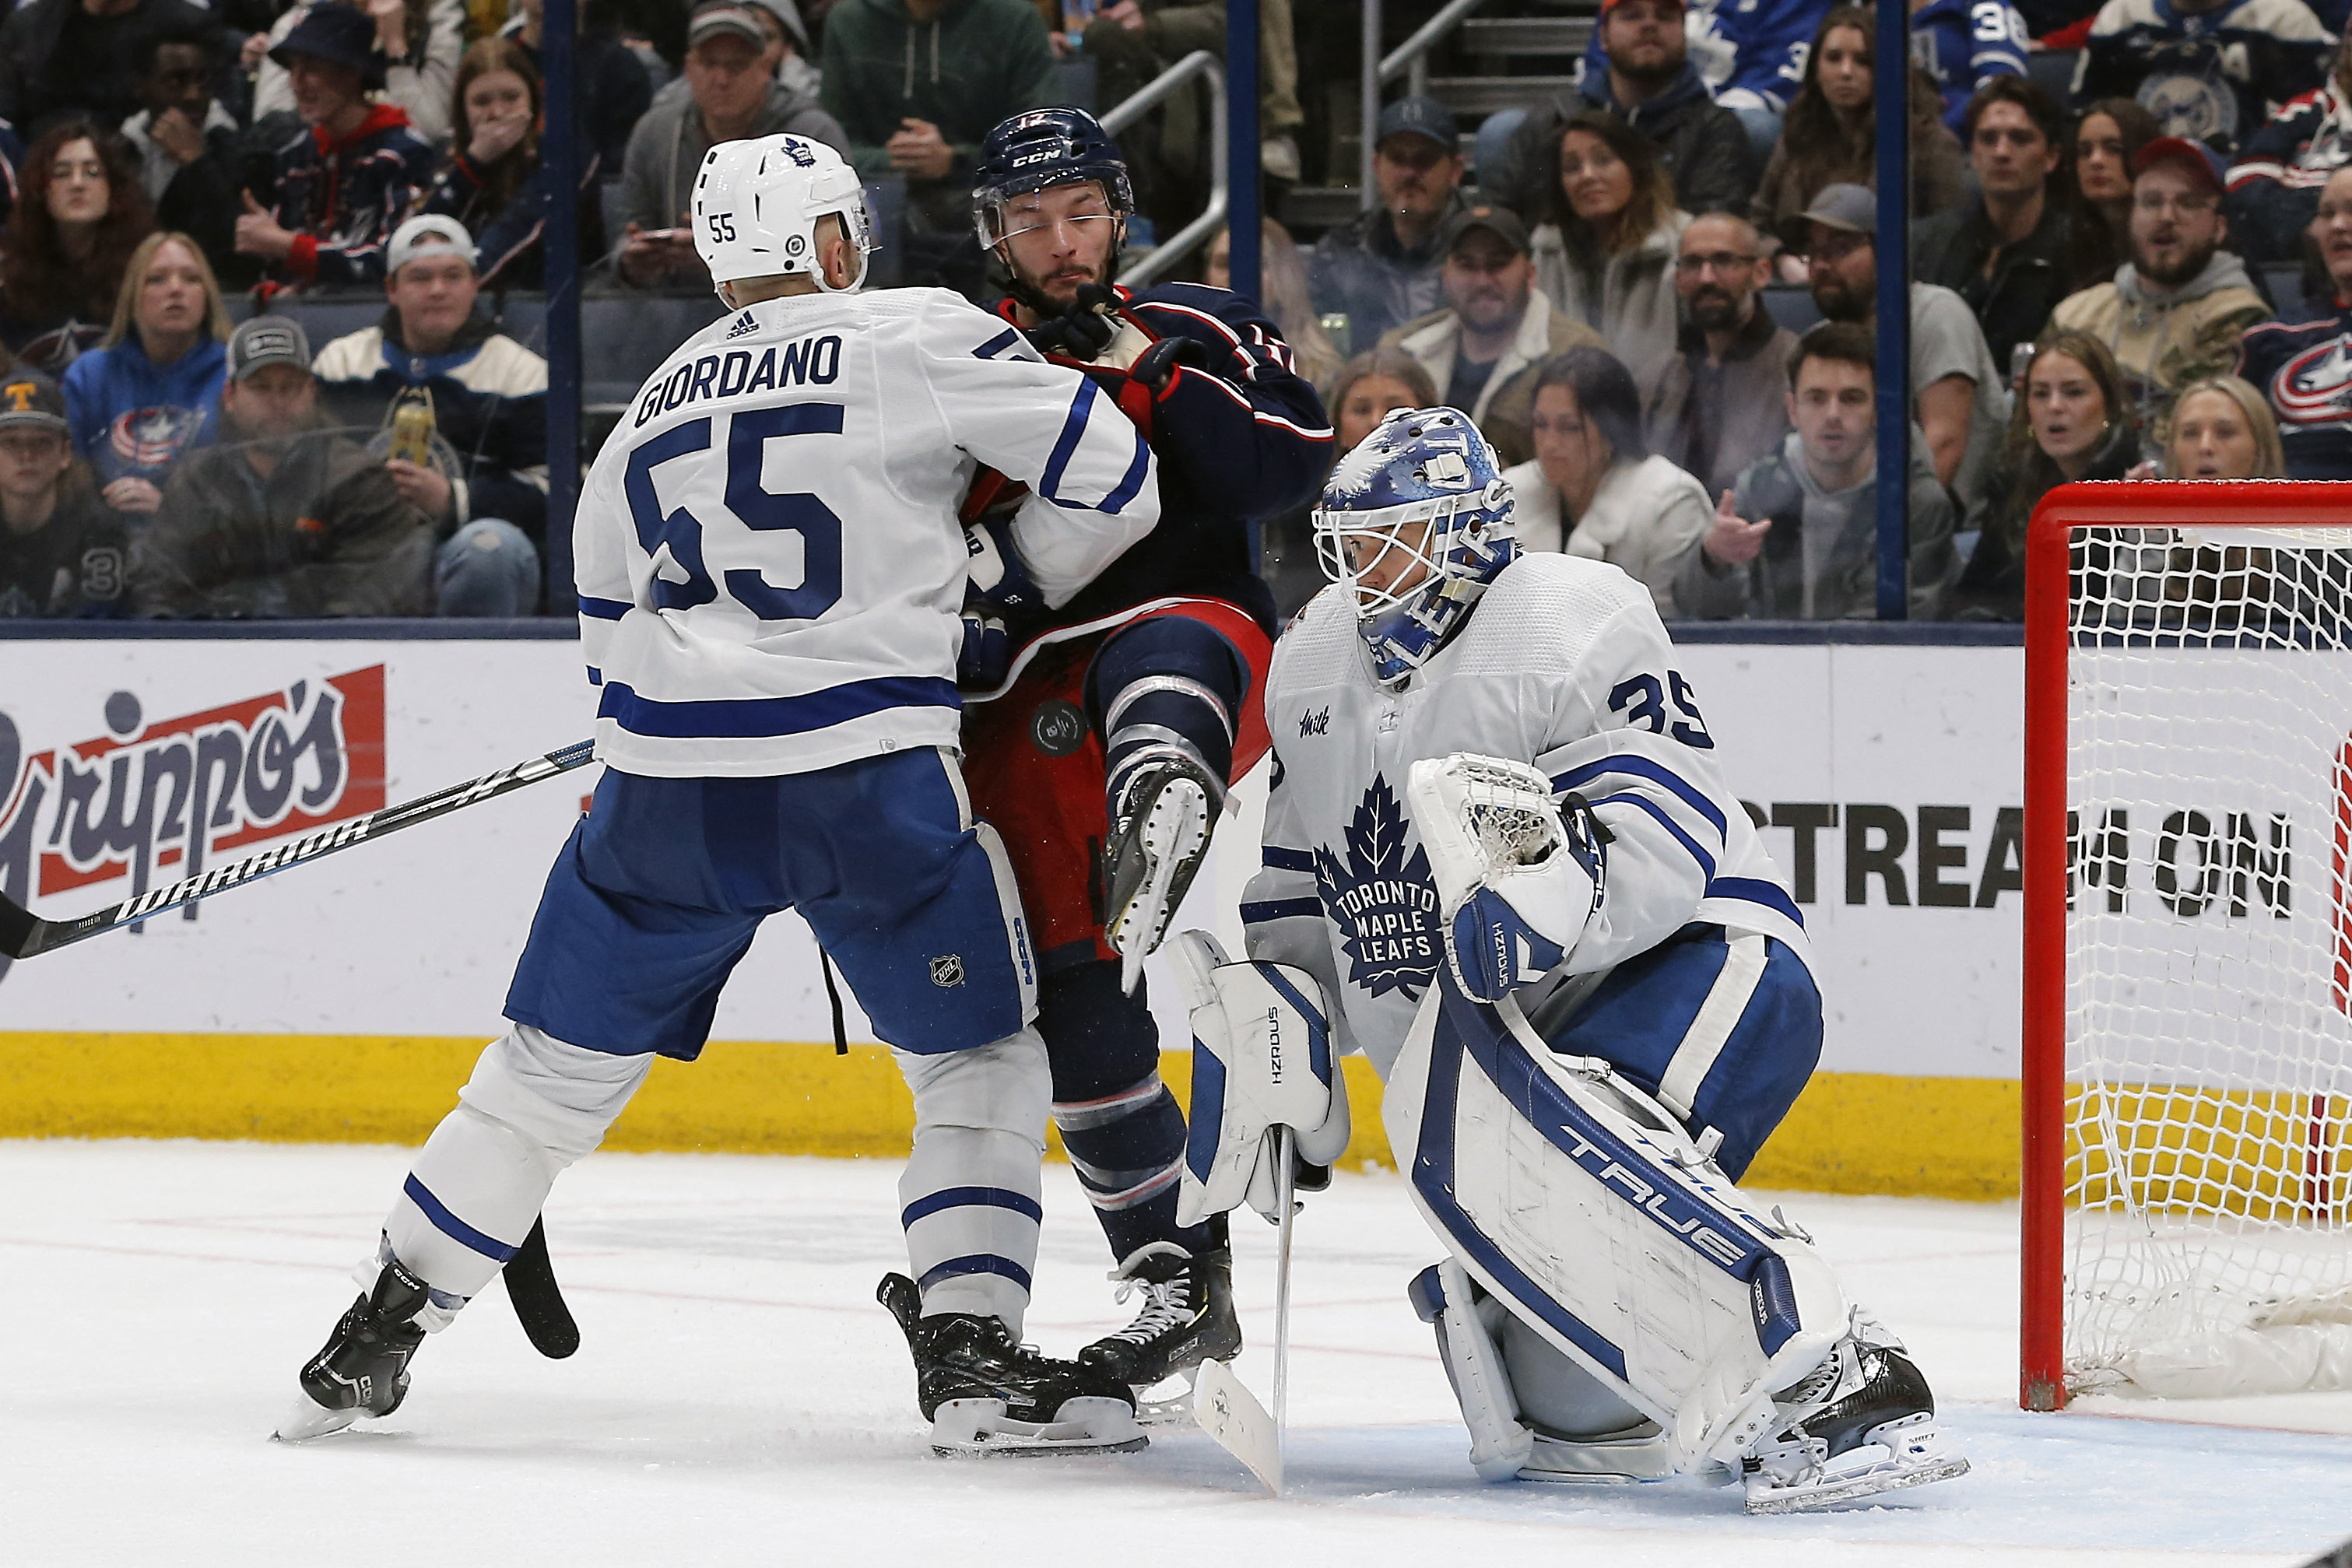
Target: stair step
{"x":1485,"y":95}
{"x":1526,"y":34}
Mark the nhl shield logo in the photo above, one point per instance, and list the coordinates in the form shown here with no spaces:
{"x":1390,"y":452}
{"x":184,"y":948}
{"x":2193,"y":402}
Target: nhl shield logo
{"x":946,"y":970}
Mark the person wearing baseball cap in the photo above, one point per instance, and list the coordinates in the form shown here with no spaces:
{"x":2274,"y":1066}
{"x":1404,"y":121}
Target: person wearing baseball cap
{"x":731,"y":95}
{"x":1483,"y":347}
{"x":1650,"y":83}
{"x":1959,"y":396}
{"x":338,"y":191}
{"x":62,"y":551}
{"x":1382,"y":269}
{"x":285,"y":517}
{"x":487,"y":490}
{"x":2174,"y":312}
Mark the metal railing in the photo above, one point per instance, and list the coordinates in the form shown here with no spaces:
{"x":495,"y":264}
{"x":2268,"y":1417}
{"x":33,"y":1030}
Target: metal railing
{"x":1409,"y":59}
{"x":1148,"y":267}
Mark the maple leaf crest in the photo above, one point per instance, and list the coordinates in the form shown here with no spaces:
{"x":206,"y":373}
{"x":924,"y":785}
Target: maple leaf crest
{"x":1381,"y":898}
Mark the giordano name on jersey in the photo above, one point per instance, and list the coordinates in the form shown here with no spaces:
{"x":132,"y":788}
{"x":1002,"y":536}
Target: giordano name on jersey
{"x":805,"y":361}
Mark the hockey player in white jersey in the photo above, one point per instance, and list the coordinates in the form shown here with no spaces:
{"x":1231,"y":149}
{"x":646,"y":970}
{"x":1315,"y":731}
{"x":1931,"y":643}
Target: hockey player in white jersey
{"x":771,"y":570}
{"x":1501,"y":859}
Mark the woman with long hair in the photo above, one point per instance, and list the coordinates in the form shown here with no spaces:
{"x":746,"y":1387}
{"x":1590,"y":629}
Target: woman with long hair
{"x":151,"y":392}
{"x":1604,"y":244}
{"x":1830,"y":135}
{"x":2223,"y":428}
{"x":1282,"y":294}
{"x":495,"y":182}
{"x":2073,"y":421}
{"x":81,"y":213}
{"x":2106,"y":138}
{"x":1594,"y":489}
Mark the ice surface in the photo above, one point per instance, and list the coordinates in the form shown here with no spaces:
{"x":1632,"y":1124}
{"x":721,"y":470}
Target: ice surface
{"x":739,"y":1397}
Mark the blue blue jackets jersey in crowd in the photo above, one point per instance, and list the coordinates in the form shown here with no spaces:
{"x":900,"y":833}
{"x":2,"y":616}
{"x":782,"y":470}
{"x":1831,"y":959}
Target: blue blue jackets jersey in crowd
{"x":132,"y":417}
{"x":1749,"y":53}
{"x":1237,"y":442}
{"x":1963,"y":44}
{"x":2212,"y":76}
{"x":2305,"y":369}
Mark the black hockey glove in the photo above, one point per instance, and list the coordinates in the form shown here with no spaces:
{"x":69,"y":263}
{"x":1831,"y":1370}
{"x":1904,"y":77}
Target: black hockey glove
{"x":1154,"y":366}
{"x":1084,"y":330}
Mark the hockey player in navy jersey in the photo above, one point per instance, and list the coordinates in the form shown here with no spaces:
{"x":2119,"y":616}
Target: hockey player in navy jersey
{"x":1502,"y":858}
{"x":1103,"y":759}
{"x":771,"y":568}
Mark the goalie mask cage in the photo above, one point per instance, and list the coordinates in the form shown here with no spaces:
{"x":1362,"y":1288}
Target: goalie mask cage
{"x":2188,"y":964}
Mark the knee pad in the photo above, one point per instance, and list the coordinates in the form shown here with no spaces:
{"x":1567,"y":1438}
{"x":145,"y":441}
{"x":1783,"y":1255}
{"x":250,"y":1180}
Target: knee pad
{"x":1004,"y":1087}
{"x":563,"y":1096}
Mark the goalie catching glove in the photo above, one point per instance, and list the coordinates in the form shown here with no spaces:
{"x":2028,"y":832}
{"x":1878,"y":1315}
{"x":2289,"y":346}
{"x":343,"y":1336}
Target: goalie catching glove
{"x":1518,"y":876}
{"x":1260,"y":1059}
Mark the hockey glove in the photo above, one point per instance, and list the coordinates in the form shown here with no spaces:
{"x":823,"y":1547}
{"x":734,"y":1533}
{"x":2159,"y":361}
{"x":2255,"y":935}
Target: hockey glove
{"x":986,"y":656}
{"x":1518,"y":876}
{"x":1262,"y":1059}
{"x":997,"y":579}
{"x":1084,"y":330}
{"x":1156,"y":366}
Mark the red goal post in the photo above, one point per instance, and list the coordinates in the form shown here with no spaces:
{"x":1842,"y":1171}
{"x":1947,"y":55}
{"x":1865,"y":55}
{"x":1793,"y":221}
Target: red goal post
{"x":2188,"y":964}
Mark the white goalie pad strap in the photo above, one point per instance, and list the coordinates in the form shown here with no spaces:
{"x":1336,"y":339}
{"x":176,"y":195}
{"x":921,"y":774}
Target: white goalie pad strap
{"x":1499,"y":1442}
{"x":1261,"y":1059}
{"x":1581,"y":1204}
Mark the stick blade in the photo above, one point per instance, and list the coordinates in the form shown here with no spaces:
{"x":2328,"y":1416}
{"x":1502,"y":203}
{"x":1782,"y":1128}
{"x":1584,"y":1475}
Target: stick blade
{"x":1228,"y":1412}
{"x":538,"y":1304}
{"x":18,"y":925}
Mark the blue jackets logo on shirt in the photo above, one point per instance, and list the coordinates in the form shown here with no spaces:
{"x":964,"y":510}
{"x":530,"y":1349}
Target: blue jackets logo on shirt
{"x":1382,"y":899}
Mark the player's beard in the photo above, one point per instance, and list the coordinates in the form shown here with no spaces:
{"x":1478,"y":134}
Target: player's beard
{"x":1029,"y":294}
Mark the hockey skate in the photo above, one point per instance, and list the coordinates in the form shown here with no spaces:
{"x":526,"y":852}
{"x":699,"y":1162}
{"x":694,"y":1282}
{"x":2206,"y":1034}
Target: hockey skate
{"x":1864,"y":1422}
{"x":1187,"y":1318}
{"x":363,"y":1370}
{"x":986,"y":1394}
{"x":1159,"y":829}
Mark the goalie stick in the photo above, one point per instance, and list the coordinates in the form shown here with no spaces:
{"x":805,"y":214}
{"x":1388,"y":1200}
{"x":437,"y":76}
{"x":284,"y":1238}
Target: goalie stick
{"x":1222,"y":1403}
{"x":23,"y":935}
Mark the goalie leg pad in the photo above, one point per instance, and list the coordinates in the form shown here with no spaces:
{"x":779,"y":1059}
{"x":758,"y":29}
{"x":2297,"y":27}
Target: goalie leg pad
{"x":1601,"y":1225}
{"x":1723,"y":1028}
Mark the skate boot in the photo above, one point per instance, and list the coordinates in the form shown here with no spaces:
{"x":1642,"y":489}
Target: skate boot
{"x":363,"y":1370}
{"x":1187,"y":1319}
{"x":1863,"y":1422}
{"x":1160,"y":827}
{"x":987,"y":1393}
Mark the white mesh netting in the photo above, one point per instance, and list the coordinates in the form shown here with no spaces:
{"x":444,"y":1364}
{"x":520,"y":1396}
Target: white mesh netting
{"x":2208,"y":961}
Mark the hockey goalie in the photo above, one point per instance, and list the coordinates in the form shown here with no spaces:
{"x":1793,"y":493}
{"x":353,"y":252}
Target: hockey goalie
{"x":1501,"y":860}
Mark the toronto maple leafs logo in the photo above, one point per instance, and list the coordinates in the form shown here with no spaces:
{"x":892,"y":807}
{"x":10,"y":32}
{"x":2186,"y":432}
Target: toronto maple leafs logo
{"x":1383,"y":900}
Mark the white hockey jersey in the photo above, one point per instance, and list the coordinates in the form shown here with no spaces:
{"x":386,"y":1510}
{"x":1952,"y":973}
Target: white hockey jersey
{"x":768,"y":554}
{"x":1563,"y":664}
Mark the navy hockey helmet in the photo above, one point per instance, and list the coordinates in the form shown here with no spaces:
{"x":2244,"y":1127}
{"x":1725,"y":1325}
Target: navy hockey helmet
{"x":1415,"y":522}
{"x":1039,"y":149}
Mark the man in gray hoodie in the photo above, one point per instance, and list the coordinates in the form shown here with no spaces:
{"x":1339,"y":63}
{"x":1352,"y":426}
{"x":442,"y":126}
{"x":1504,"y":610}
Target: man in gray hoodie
{"x":1797,"y":538}
{"x":732,"y":96}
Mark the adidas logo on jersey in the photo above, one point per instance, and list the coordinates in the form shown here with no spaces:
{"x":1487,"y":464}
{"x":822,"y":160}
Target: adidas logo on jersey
{"x":744,"y":327}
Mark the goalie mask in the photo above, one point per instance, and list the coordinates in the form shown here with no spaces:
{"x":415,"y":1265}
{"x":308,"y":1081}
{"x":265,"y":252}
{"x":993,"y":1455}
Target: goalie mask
{"x":1415,"y":522}
{"x":756,"y":206}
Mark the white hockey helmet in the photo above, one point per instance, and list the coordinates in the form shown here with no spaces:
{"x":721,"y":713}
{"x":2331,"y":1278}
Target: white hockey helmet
{"x":756,"y":204}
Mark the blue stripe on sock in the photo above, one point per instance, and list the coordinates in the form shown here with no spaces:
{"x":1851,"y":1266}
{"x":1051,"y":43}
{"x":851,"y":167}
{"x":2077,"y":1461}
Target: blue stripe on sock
{"x":975,"y":1263}
{"x":972,"y":1198}
{"x":450,"y":1225}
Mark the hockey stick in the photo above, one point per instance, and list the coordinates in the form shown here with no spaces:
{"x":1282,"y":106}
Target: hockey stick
{"x":537,"y":1303}
{"x":23,"y":935}
{"x":1222,"y":1403}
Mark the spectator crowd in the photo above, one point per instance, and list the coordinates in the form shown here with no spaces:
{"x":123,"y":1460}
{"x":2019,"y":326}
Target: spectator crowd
{"x":1653,"y":290}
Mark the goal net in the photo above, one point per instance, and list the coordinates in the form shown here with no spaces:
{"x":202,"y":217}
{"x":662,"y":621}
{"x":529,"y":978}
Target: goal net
{"x":2188,"y":941}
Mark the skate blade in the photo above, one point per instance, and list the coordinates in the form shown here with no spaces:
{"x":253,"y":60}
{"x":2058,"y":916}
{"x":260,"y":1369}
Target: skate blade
{"x":980,"y":1429}
{"x":1169,"y":1402}
{"x":1173,"y":836}
{"x":1920,"y":1464}
{"x":309,"y":1420}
